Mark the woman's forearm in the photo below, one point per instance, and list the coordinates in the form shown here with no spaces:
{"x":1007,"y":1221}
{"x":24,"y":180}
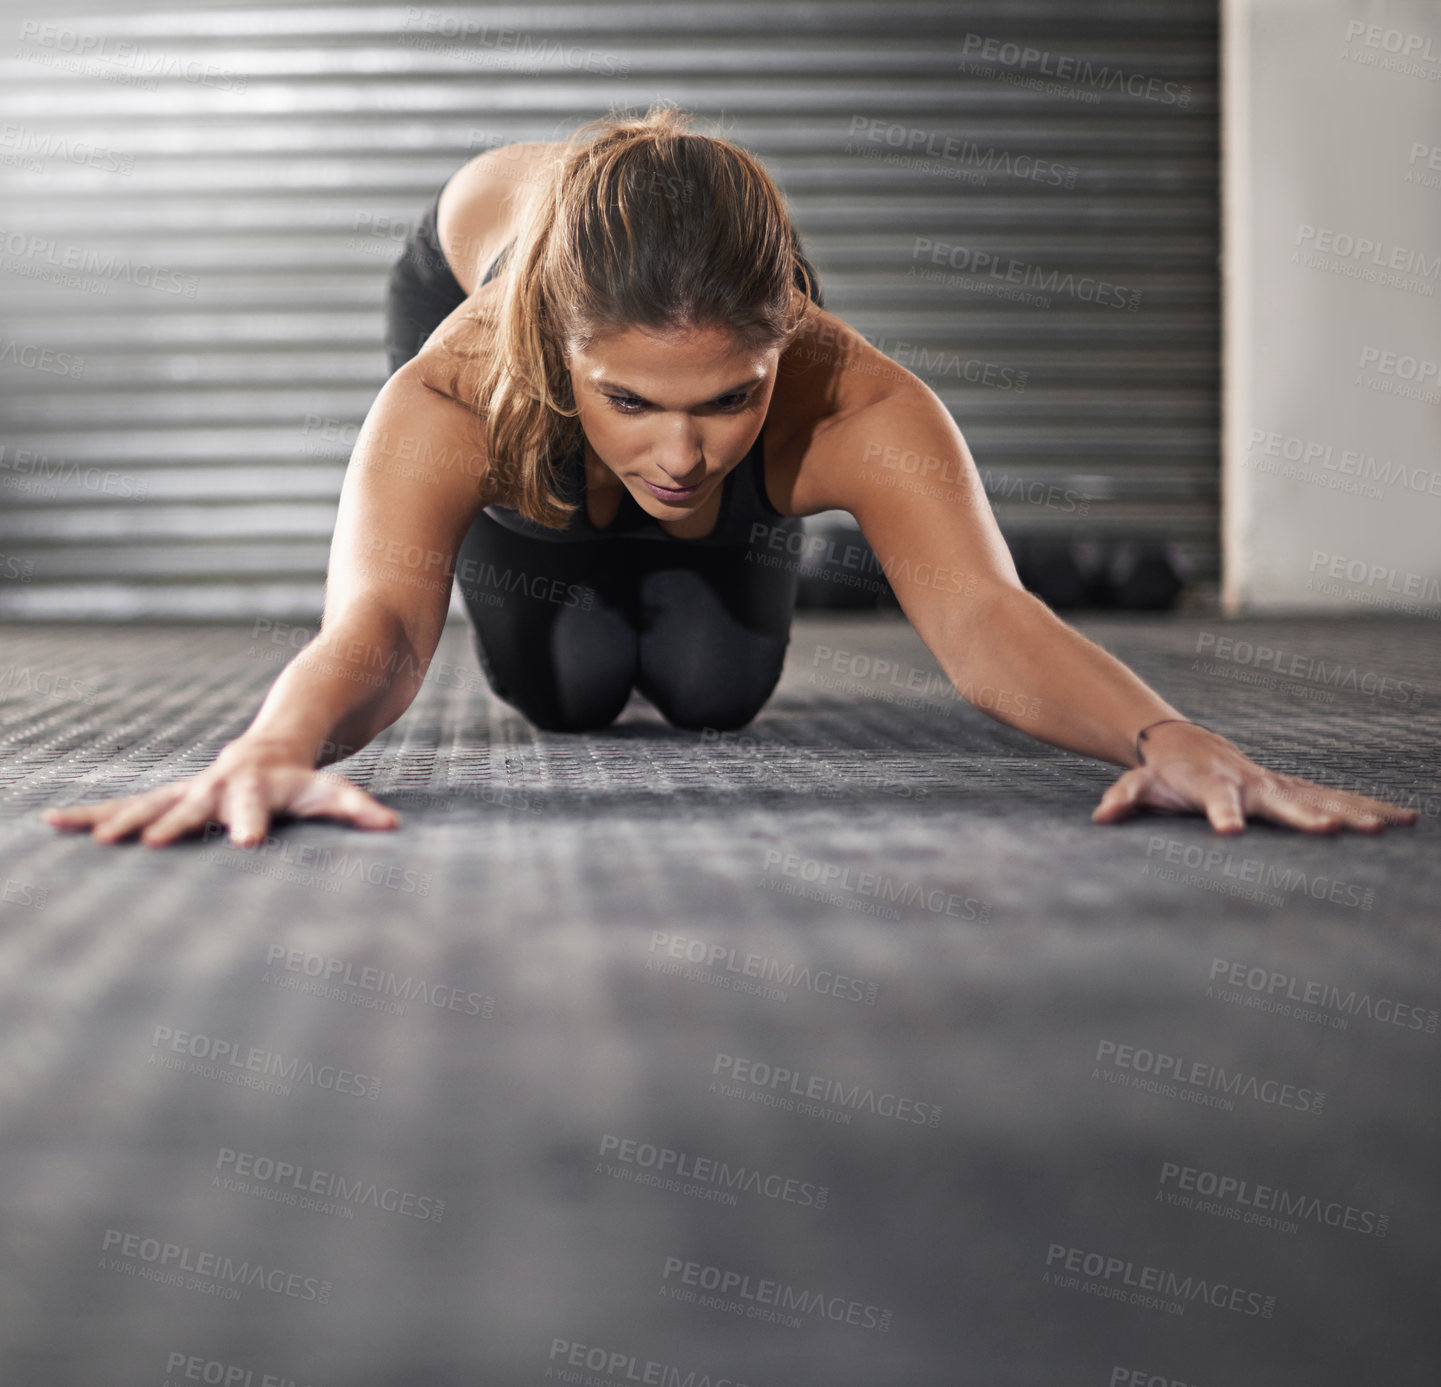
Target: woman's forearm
{"x":348,"y":685}
{"x":1023,"y":666}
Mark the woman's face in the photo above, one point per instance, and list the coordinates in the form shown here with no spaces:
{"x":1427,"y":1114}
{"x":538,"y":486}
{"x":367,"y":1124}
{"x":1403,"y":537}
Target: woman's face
{"x":671,"y":413}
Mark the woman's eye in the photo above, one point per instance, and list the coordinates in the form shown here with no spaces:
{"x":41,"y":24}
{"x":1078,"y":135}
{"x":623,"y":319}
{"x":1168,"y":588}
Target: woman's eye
{"x":630,"y":404}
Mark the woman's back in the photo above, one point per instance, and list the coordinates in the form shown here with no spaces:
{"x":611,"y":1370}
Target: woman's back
{"x":481,"y":206}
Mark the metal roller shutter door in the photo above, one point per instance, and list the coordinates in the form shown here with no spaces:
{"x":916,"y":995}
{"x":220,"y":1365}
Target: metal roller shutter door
{"x":224,"y":188}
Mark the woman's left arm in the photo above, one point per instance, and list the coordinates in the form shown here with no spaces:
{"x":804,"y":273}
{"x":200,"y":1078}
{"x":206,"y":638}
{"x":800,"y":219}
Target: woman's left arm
{"x":902,"y":468}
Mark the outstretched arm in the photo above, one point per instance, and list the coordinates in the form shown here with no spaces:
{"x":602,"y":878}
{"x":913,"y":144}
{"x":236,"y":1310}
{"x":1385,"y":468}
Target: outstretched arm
{"x":902,"y":468}
{"x":409,"y":494}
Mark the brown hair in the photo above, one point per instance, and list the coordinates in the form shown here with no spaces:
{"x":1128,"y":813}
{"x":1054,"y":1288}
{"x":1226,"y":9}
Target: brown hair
{"x":638,"y":222}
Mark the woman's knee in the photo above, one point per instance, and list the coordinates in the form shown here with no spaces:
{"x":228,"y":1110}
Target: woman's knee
{"x":587,"y":717}
{"x":725,"y":716}
{"x":548,"y":698}
{"x":724,"y":697}
{"x":538,"y":696}
{"x":563,"y":676}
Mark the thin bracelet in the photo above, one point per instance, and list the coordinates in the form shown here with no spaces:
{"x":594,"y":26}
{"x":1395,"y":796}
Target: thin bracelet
{"x":1140,"y":755}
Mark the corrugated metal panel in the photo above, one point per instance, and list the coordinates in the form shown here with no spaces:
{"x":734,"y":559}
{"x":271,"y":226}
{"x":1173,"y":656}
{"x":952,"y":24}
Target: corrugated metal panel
{"x":227,"y":186}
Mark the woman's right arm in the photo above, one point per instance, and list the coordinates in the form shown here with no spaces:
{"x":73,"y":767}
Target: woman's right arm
{"x":411,"y":492}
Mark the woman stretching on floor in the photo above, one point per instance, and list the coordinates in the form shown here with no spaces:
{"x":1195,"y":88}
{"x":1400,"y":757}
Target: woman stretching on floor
{"x":613,"y":394}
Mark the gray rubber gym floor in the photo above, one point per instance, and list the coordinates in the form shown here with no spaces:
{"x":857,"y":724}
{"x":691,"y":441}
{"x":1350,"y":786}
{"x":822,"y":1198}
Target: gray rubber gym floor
{"x":844,"y":1051}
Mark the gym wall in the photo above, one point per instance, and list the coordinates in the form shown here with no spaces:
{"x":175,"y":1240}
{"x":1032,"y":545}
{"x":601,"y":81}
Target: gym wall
{"x":1333,"y":317}
{"x":201,"y":203}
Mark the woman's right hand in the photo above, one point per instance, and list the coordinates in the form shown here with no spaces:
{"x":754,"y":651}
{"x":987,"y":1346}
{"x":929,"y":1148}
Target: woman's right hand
{"x":247,"y":784}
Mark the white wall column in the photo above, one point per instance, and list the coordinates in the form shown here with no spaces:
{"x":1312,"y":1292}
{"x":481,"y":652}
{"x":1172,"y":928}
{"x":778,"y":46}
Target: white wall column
{"x":1331,"y":150}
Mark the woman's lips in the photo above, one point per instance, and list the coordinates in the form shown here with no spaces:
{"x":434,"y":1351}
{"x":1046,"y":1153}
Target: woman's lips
{"x":671,"y":493}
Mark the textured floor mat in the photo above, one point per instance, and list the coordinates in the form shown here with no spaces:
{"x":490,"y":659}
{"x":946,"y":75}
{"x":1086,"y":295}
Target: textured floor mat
{"x":842,"y":1050}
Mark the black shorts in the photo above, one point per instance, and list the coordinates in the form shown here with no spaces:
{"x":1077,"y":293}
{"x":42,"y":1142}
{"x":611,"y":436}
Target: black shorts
{"x":566,"y":631}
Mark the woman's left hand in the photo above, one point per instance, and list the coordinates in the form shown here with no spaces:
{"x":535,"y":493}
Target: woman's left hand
{"x":1189,"y":769}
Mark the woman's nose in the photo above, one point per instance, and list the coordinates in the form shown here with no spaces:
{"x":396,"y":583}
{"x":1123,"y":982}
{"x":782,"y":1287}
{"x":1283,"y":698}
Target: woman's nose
{"x":682,"y":455}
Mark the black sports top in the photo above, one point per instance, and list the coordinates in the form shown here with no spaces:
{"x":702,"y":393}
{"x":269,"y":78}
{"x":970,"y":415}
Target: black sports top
{"x":743,"y":503}
{"x":743,"y":492}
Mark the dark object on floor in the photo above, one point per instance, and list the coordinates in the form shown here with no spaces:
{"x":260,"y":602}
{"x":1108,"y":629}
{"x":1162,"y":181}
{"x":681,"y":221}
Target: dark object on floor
{"x":839,"y":571}
{"x":1145,"y":577}
{"x":1129,"y":575}
{"x":1054,"y":572}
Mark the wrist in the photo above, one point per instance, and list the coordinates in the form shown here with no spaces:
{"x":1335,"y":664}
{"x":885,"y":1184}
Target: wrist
{"x":274,"y":746}
{"x":1146,"y":735}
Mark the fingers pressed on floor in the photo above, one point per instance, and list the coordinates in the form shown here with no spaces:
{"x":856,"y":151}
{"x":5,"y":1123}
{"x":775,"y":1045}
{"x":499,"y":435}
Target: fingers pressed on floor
{"x":1284,"y":809}
{"x":87,"y":815}
{"x":243,"y":807}
{"x":1226,"y":809}
{"x":190,"y":813}
{"x":134,"y":813}
{"x":368,"y":811}
{"x":1120,"y":799}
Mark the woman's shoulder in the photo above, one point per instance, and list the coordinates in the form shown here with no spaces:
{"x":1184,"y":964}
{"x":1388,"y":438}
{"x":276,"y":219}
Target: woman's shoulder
{"x":829,"y":375}
{"x":828,"y":372}
{"x":483,"y":202}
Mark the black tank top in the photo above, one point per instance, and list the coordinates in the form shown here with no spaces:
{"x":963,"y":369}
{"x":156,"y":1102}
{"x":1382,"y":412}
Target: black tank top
{"x":743,"y":505}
